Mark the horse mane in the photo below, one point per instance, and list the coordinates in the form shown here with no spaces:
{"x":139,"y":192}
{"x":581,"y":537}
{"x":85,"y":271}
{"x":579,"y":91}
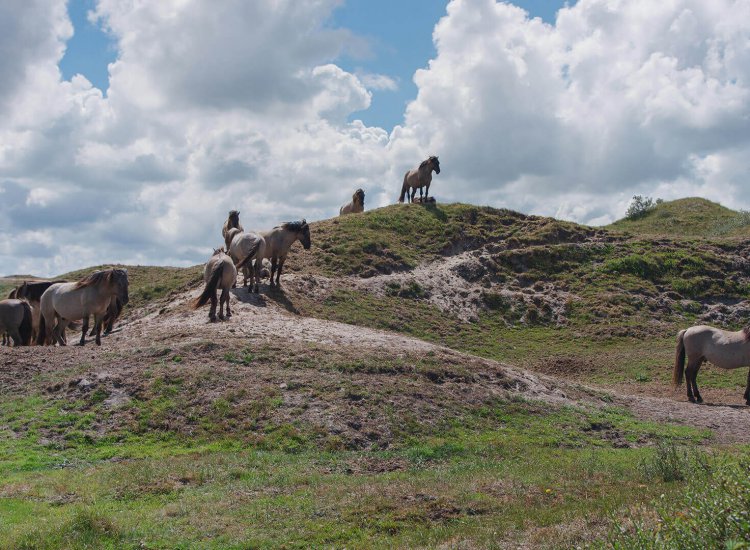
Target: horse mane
{"x":96,"y":278}
{"x":425,"y":163}
{"x":295,"y":226}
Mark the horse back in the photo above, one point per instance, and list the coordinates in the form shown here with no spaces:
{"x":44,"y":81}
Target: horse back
{"x":723,"y":348}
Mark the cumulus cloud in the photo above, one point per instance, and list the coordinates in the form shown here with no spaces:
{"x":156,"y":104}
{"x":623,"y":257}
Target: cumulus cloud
{"x":241,"y":105}
{"x":617,"y":98}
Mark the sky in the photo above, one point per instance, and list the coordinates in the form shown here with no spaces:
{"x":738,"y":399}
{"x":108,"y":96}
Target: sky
{"x":129,"y":128}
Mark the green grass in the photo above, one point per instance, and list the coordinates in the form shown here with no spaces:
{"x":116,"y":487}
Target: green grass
{"x":503,"y":469}
{"x":689,"y":217}
{"x":401,"y":236}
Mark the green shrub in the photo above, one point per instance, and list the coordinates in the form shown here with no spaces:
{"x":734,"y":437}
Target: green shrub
{"x":714,"y":512}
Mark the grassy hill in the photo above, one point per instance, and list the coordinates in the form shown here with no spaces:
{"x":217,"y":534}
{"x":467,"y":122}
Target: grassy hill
{"x":688,"y":218}
{"x":226,"y":436}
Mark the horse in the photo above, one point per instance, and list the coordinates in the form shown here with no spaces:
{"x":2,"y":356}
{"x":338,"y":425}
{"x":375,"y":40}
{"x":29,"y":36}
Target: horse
{"x":15,"y":320}
{"x":725,"y":349}
{"x":421,"y":177}
{"x":32,"y":293}
{"x":220,"y":272}
{"x":356,"y":205}
{"x":62,"y":303}
{"x":233,"y":221}
{"x":244,"y":246}
{"x":278,"y":242}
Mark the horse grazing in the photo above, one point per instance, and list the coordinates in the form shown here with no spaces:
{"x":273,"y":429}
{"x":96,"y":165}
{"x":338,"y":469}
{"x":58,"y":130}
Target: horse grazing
{"x":220,"y":272}
{"x":62,"y":303}
{"x":356,"y":205}
{"x":725,"y":349}
{"x":233,"y":222}
{"x":421,"y":177}
{"x":15,"y":320}
{"x":243,"y":248}
{"x":278,"y":242}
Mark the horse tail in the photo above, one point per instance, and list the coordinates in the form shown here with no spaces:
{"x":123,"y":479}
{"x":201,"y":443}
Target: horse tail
{"x":679,"y":360}
{"x":26,"y":328}
{"x":249,"y":257}
{"x":41,"y":337}
{"x":210,"y":289}
{"x":404,"y":187}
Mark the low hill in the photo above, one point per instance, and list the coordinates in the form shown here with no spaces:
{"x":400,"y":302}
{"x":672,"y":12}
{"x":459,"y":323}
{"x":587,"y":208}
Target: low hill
{"x":433,"y":375}
{"x":688,"y":218}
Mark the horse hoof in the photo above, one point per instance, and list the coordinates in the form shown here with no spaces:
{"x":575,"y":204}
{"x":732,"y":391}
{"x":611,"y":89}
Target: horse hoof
{"x":699,"y":400}
{"x":221,"y":317}
{"x":228,"y":315}
{"x":691,"y":399}
{"x":212,"y":319}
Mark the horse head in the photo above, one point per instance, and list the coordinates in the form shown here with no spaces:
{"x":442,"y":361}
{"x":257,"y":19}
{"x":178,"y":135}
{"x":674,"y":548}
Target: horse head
{"x":435,"y":163}
{"x":359,"y":197}
{"x":120,"y":279}
{"x":234,"y":217}
{"x":304,"y":233}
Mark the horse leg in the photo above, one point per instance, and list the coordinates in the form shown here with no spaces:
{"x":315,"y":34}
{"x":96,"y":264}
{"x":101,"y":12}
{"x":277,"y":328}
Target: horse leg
{"x":427,"y":191}
{"x":278,"y":273}
{"x":691,"y":374}
{"x":747,"y":389}
{"x":212,"y":312}
{"x":274,"y":262}
{"x":225,"y":297}
{"x":98,"y":327}
{"x":58,"y":332}
{"x":420,"y":195}
{"x":221,"y":305}
{"x":85,"y":329}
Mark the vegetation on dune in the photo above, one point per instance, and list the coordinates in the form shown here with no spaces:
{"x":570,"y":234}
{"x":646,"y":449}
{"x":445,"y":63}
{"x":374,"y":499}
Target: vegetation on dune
{"x":242,"y":443}
{"x":686,"y":218}
{"x":181,"y":467}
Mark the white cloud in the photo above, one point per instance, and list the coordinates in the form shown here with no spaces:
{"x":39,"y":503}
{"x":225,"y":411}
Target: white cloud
{"x":235,"y":104}
{"x":618,"y":98}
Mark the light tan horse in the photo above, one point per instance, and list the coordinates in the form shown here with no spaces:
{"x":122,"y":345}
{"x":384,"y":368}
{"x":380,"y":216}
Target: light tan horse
{"x":243,"y":248}
{"x":65,"y":302}
{"x":16,"y":321}
{"x":724,"y":349}
{"x":421,"y":177}
{"x":356,"y":205}
{"x":220,"y":272}
{"x":278,"y":242}
{"x":233,"y":222}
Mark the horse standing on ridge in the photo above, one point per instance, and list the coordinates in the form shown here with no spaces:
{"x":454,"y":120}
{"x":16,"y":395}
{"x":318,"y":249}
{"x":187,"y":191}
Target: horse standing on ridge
{"x":243,"y":248}
{"x":356,"y":205}
{"x":220,"y":272}
{"x":278,"y":242}
{"x":421,"y":177}
{"x":233,"y":222}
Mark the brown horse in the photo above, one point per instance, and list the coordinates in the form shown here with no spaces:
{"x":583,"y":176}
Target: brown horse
{"x":421,"y":177}
{"x":15,"y":320}
{"x":724,"y":349}
{"x":278,"y":242}
{"x":233,"y":222}
{"x":356,"y":205}
{"x":62,"y":303}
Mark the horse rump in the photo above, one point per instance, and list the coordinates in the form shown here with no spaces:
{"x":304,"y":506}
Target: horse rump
{"x":211,"y":286}
{"x":678,"y":372}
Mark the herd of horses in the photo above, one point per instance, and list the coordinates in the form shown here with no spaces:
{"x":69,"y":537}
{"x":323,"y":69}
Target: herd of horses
{"x":41,"y":311}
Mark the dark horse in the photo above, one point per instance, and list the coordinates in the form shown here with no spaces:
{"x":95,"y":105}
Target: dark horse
{"x":421,"y":177}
